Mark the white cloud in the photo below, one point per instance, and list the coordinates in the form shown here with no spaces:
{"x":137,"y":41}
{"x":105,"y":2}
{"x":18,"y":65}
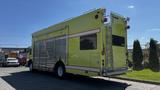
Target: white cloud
{"x":131,"y":6}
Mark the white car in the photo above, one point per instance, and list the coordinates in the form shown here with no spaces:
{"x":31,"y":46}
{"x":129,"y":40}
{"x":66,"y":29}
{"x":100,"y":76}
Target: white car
{"x":12,"y":62}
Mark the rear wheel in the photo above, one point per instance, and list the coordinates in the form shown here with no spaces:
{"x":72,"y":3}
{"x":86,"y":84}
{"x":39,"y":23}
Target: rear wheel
{"x":60,"y":71}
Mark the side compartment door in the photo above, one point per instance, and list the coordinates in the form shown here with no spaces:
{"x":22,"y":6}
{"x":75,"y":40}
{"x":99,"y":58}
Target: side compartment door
{"x":60,"y":48}
{"x":89,"y":46}
{"x":50,"y":47}
{"x":36,"y":54}
{"x":42,"y":55}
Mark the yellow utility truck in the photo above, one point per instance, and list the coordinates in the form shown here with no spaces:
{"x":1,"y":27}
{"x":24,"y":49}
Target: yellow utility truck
{"x":91,"y":44}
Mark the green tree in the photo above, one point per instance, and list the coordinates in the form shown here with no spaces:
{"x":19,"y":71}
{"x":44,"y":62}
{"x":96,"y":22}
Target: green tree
{"x":153,"y":56}
{"x":137,"y":56}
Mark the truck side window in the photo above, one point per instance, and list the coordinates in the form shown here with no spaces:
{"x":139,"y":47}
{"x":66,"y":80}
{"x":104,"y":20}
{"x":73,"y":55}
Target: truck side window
{"x":88,"y":42}
{"x":118,"y":40}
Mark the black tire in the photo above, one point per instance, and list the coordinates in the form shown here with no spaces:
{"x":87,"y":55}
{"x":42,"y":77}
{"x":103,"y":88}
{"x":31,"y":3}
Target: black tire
{"x":60,"y":71}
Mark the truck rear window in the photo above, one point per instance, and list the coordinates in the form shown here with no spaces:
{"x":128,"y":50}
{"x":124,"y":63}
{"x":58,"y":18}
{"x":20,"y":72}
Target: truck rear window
{"x":118,"y":40}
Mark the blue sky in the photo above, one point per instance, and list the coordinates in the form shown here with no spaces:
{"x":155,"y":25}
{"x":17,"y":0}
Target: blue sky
{"x":20,"y":18}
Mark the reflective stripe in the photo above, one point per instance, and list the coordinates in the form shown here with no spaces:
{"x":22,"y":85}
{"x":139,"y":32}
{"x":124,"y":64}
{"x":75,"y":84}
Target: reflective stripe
{"x":83,"y":68}
{"x":78,"y":34}
{"x":63,"y":37}
{"x":84,"y":33}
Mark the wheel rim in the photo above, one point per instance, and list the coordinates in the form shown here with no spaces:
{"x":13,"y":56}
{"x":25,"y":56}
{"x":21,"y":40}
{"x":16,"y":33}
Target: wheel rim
{"x":60,"y":71}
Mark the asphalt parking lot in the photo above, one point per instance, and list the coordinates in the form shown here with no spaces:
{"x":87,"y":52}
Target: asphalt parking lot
{"x":19,"y":78}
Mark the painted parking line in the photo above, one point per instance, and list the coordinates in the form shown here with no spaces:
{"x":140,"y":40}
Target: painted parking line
{"x":5,"y":86}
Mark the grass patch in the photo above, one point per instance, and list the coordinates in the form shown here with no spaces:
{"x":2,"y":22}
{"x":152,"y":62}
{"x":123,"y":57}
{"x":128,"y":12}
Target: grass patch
{"x":145,"y":74}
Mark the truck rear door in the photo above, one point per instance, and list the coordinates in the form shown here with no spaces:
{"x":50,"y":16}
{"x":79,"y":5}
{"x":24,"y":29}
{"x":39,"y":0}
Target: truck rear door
{"x":119,"y":41}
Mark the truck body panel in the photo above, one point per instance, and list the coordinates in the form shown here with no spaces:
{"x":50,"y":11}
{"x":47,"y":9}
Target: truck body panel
{"x":82,"y":44}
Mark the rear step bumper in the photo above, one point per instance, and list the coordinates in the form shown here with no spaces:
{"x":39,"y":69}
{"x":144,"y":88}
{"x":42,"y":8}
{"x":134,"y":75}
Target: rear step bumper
{"x":115,"y":72}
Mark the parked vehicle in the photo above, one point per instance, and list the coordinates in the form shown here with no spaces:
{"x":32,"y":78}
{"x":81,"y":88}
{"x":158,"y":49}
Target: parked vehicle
{"x":23,"y":61}
{"x":12,"y":62}
{"x":85,"y":45}
{"x":2,"y":60}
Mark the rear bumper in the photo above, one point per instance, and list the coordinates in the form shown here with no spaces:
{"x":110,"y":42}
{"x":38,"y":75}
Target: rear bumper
{"x":115,"y":71}
{"x":12,"y":64}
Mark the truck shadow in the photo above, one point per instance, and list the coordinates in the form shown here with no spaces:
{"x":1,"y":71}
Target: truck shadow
{"x":47,"y":81}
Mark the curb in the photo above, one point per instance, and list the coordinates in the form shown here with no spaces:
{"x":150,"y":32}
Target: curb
{"x":142,"y":81}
